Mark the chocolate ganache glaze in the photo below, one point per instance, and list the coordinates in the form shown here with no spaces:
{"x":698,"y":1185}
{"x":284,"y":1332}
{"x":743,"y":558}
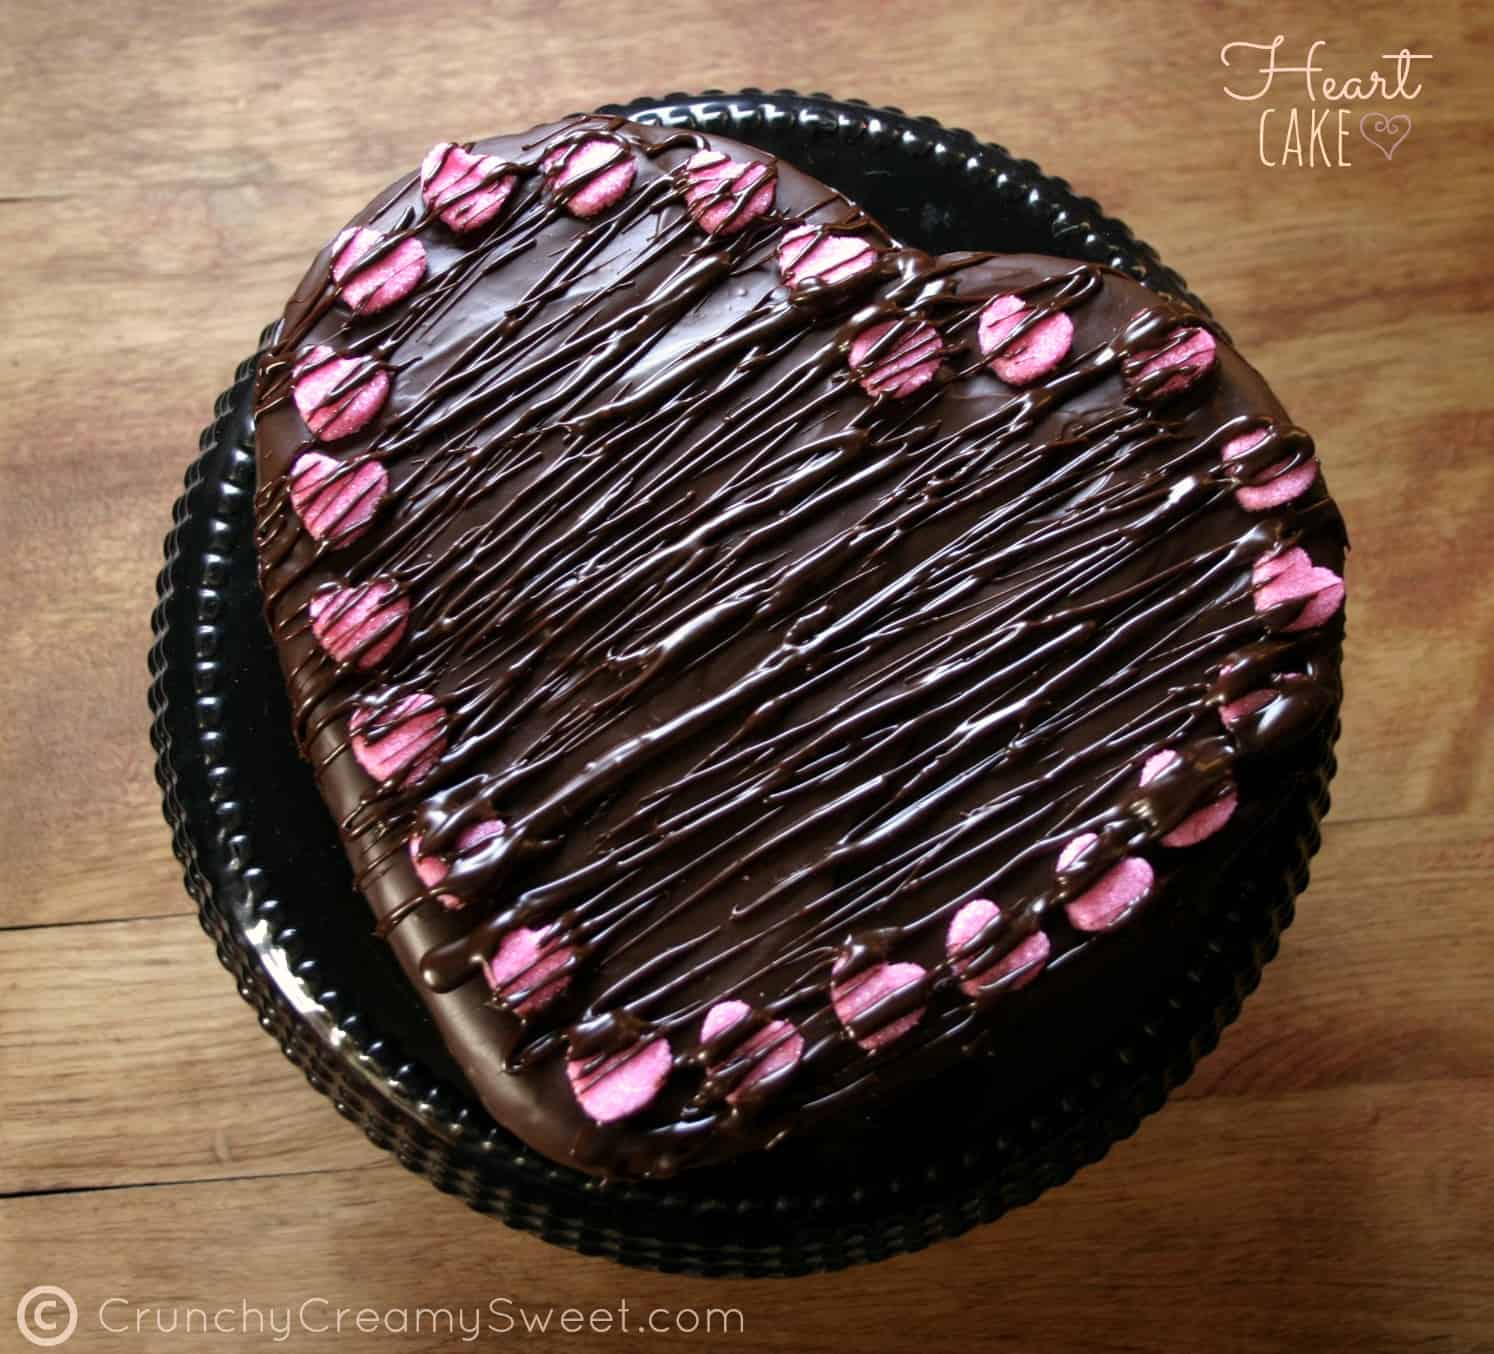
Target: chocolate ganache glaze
{"x":751,"y":662}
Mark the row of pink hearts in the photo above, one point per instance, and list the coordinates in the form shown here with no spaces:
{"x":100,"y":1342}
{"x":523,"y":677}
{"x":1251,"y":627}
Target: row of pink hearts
{"x":724,"y":196}
{"x":364,"y":624}
{"x":339,"y":395}
{"x":531,"y":966}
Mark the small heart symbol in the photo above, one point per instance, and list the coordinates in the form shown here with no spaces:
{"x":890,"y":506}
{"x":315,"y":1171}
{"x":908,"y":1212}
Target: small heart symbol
{"x":371,"y":284}
{"x":1379,"y":130}
{"x":336,"y":500}
{"x":863,"y":991}
{"x":359,"y":625}
{"x":767,"y":1052}
{"x":1022,"y":963}
{"x":399,"y":744}
{"x":337,"y":395}
{"x":465,"y":190}
{"x":1291,"y":577}
{"x":724,"y":195}
{"x":530,"y":970}
{"x":622,"y":1083}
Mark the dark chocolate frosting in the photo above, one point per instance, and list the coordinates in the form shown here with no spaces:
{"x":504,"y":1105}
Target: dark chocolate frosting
{"x":685,"y":643}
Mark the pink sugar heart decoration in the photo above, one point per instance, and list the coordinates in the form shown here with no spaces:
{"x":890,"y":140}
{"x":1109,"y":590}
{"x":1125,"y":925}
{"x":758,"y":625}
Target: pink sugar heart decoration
{"x":1026,"y":958}
{"x":725,"y":196}
{"x":1291,"y":576}
{"x":337,"y":396}
{"x":623,"y":1083}
{"x":769,"y":1051}
{"x":530,"y":961}
{"x":588,"y":175}
{"x":432,"y":869}
{"x":905,"y":364}
{"x":1109,"y":901}
{"x":464,"y":190}
{"x":867,"y":989}
{"x":375,"y":285}
{"x":1196,"y":826}
{"x":1232,"y":712}
{"x":811,"y":254}
{"x":1189,"y":354}
{"x":336,"y":500}
{"x":1022,"y":361}
{"x":359,"y":625}
{"x":1242,"y":707}
{"x":1280,"y":484}
{"x":403,"y":743}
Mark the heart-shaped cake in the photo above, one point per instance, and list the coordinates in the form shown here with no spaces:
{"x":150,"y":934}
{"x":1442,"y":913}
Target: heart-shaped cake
{"x":756,"y":666}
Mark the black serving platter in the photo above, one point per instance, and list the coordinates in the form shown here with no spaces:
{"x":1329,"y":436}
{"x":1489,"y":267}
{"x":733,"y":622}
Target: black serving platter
{"x":275,"y":893}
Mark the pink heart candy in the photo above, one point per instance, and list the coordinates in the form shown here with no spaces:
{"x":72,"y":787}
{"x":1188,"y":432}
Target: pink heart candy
{"x":530,"y":961}
{"x":376,"y":285}
{"x":909,"y":363}
{"x":1196,"y":826}
{"x":1026,"y":958}
{"x":1280,"y":486}
{"x":1232,"y":712}
{"x":623,"y":1083}
{"x":359,"y":625}
{"x":1110,"y":900}
{"x":726,"y":196}
{"x":336,"y":395}
{"x":588,"y":175}
{"x":1030,"y":357}
{"x":1190,"y":354}
{"x":812,"y":254}
{"x":1291,"y":576}
{"x":336,"y":500}
{"x":464,"y":190}
{"x":406,"y":742}
{"x":769,"y":1051}
{"x":432,"y":869}
{"x":869,"y":987}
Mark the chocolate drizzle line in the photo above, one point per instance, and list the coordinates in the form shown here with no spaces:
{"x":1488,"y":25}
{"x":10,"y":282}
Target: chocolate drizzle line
{"x":765,"y":677}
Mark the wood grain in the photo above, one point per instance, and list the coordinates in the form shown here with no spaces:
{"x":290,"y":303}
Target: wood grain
{"x":1324,"y":1182}
{"x":1282,"y":1227}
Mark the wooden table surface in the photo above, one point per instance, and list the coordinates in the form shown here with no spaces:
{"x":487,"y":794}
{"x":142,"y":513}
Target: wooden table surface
{"x":166,"y":171}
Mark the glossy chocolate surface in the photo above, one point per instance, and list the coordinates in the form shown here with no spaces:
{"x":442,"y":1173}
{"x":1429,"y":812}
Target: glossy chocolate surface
{"x":765,"y":677}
